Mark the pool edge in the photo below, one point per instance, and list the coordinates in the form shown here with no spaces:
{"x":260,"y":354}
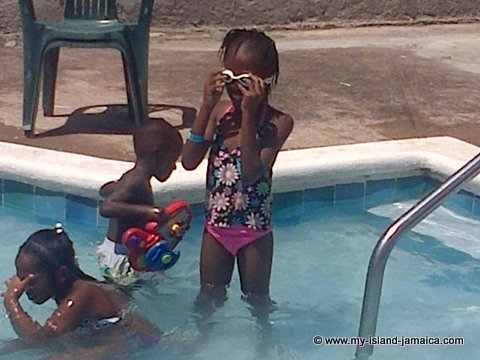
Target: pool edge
{"x":83,"y":175}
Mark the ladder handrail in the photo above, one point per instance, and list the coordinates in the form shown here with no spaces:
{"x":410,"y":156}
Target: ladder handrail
{"x":378,"y":260}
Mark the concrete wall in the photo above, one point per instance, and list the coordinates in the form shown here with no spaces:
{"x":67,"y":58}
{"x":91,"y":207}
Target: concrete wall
{"x":180,"y":14}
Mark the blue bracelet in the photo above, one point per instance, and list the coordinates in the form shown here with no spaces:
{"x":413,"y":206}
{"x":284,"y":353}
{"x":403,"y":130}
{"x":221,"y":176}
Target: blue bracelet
{"x":196,"y":138}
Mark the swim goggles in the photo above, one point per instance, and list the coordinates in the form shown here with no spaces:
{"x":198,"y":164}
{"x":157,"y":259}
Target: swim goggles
{"x":229,"y":77}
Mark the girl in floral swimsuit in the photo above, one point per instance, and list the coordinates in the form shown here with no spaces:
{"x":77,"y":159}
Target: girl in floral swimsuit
{"x":244,"y":136}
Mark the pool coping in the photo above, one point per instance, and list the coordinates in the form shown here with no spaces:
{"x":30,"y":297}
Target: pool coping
{"x":83,"y":175}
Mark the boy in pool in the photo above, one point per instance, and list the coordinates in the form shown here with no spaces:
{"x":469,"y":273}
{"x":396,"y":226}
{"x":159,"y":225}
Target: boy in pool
{"x":129,"y":201}
{"x":47,"y":269}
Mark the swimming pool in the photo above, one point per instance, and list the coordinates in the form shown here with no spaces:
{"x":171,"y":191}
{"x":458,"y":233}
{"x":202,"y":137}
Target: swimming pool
{"x":323,"y":295}
{"x":324,"y":238}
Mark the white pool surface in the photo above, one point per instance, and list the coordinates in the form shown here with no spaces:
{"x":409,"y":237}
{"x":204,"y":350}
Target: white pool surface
{"x":294,"y":170}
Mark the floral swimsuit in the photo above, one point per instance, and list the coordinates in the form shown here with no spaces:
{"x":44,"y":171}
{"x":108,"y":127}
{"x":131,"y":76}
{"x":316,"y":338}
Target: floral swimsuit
{"x":236,"y":214}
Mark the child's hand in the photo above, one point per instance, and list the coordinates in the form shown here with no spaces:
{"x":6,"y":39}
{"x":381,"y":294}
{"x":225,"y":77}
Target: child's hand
{"x":16,"y":287}
{"x":254,"y":95}
{"x":213,"y":88}
{"x":159,"y":216}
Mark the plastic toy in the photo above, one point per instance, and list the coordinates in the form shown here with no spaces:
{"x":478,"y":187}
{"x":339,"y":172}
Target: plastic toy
{"x":152,"y":248}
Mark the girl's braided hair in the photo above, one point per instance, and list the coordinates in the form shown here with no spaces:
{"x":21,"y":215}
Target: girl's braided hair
{"x":53,"y":249}
{"x":256,"y":41}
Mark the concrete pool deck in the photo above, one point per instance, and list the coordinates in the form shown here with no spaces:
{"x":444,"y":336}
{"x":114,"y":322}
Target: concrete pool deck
{"x":350,"y":91}
{"x":342,"y":86}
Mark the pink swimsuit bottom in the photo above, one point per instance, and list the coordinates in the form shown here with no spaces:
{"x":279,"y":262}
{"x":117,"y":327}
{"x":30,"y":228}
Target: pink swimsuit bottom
{"x":235,"y":237}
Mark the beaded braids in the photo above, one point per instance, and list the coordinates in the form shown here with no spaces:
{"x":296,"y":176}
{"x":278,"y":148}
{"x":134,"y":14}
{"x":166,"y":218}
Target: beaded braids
{"x":257,"y":42}
{"x":53,"y":249}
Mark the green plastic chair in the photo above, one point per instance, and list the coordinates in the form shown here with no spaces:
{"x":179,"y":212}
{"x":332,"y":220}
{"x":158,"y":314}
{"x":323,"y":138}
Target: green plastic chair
{"x":86,"y":24}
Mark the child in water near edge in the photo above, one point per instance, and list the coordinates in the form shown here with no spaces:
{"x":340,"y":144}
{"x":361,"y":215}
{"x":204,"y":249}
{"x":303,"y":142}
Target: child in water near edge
{"x":129,"y":201}
{"x":47,"y":269}
{"x":244,"y":136}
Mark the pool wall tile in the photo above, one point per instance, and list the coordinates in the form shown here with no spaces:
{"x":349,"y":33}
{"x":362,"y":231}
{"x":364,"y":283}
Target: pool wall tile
{"x":409,"y":188}
{"x":292,"y":207}
{"x":317,"y":198}
{"x":350,"y":196}
{"x":462,"y":202}
{"x":287,"y":199}
{"x":198,"y":209}
{"x":288,"y":206}
{"x":476,"y":206}
{"x":198,"y":213}
{"x":18,"y":196}
{"x":430,"y":185}
{"x":49,"y":206}
{"x":198,"y":216}
{"x":81,"y":210}
{"x":379,"y":192}
{"x":320,"y":196}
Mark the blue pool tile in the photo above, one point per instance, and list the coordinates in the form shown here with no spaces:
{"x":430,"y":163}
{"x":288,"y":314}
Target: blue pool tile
{"x":317,"y":198}
{"x":476,"y":206}
{"x":288,"y":206}
{"x":50,"y":206}
{"x":198,"y":209}
{"x":430,"y":185}
{"x":350,"y":196}
{"x":198,"y":216}
{"x":379,"y":192}
{"x":18,"y":196}
{"x":320,"y":196}
{"x":462,"y":202}
{"x":282,"y":200}
{"x":198,"y":222}
{"x":409,"y":188}
{"x":81,"y":210}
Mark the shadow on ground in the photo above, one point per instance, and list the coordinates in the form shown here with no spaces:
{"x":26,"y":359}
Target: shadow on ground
{"x":111,"y":119}
{"x":341,"y":86}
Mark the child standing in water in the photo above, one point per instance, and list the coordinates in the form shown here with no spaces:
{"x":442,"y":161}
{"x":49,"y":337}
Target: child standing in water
{"x":47,"y":269}
{"x":129,"y":201}
{"x":244,"y":136}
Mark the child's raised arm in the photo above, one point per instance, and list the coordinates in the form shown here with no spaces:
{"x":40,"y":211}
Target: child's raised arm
{"x":22,"y":323}
{"x":65,"y":319}
{"x":203,"y":128}
{"x":258,"y":154}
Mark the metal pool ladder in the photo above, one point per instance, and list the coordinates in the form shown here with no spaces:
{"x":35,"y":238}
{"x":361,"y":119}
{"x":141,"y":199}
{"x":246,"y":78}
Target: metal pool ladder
{"x":378,"y":260}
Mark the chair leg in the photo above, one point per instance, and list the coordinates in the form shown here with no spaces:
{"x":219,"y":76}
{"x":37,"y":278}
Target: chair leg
{"x":137,"y":48}
{"x":142,"y":71}
{"x":127,"y":87}
{"x":49,"y":80}
{"x":138,"y":100}
{"x":31,"y":88}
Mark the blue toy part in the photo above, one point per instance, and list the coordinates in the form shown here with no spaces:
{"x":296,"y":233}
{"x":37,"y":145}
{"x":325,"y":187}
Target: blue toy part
{"x":136,"y":241}
{"x":160,"y":257}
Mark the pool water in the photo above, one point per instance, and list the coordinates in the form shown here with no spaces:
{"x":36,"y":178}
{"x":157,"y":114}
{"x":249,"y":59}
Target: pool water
{"x":431,"y":287}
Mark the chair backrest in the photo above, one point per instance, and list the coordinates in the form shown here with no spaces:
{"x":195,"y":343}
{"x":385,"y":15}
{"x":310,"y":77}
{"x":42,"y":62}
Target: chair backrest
{"x":91,"y":9}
